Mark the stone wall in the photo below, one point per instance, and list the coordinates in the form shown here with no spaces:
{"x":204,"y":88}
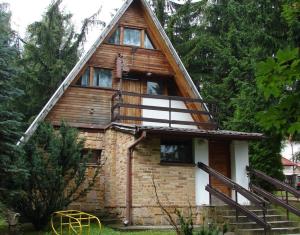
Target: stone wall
{"x":175,"y":183}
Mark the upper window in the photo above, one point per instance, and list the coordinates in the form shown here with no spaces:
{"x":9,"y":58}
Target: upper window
{"x":177,"y":152}
{"x":84,"y":79}
{"x":147,"y":43}
{"x":132,"y":37}
{"x":155,"y":88}
{"x":115,"y":37}
{"x":102,"y":78}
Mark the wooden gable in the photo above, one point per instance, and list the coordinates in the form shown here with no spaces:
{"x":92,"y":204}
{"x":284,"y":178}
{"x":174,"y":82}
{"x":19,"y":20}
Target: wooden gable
{"x":90,"y":106}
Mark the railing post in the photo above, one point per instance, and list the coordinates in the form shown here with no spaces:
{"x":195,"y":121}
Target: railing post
{"x":236,"y":210}
{"x":170,"y":113}
{"x":287,"y":202}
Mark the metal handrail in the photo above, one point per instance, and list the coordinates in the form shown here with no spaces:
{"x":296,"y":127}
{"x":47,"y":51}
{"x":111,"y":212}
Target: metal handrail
{"x":274,"y":199}
{"x":240,"y":208}
{"x":277,"y":183}
{"x":233,"y":185}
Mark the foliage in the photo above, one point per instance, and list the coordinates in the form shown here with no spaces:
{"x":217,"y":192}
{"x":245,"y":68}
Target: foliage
{"x":10,"y":120}
{"x":220,"y":43}
{"x":55,"y":174}
{"x":279,"y":79}
{"x":50,"y":52}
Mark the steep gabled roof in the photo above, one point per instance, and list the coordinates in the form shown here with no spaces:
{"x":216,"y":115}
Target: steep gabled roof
{"x":287,"y":162}
{"x":84,"y":59}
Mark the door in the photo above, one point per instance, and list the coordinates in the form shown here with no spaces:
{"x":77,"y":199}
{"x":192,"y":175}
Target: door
{"x":135,"y":87}
{"x":219,"y":160}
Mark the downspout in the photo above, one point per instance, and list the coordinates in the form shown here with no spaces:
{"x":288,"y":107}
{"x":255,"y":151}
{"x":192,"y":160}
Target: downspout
{"x":128,"y":220}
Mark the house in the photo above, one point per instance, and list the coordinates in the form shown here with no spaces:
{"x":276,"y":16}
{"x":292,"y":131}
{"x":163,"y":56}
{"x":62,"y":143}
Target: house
{"x":291,"y":171}
{"x":138,"y":108}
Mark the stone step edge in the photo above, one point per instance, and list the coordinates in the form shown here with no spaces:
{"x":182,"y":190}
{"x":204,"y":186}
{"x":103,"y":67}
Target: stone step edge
{"x":270,"y":222}
{"x":273,"y":229}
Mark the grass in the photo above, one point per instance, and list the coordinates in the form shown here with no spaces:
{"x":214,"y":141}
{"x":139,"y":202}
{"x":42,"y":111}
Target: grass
{"x":292,"y":216}
{"x":104,"y":231}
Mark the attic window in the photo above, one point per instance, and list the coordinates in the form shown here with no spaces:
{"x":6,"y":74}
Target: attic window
{"x":147,"y":43}
{"x":115,"y":37}
{"x":102,"y":78}
{"x":84,"y":78}
{"x":155,"y":88}
{"x":132,"y":37}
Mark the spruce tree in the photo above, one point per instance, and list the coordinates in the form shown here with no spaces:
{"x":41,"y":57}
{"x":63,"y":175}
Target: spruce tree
{"x":220,"y":43}
{"x":51,"y":50}
{"x":10,"y":120}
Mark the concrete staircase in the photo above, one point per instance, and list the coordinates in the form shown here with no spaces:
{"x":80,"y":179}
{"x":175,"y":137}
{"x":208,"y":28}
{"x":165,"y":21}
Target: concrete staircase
{"x":278,"y":222}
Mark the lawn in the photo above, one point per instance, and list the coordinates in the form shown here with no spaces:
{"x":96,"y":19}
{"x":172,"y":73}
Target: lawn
{"x":104,"y":231}
{"x":292,"y":216}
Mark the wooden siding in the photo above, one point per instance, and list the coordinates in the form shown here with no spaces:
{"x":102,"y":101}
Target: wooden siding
{"x":134,"y":17}
{"x":82,"y":106}
{"x":136,"y":59}
{"x":89,"y":106}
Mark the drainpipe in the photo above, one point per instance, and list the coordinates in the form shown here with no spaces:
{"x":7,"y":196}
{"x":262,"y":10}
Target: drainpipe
{"x":128,"y":220}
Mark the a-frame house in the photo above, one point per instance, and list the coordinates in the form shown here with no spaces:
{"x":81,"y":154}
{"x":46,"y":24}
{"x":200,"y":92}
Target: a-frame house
{"x":138,"y":108}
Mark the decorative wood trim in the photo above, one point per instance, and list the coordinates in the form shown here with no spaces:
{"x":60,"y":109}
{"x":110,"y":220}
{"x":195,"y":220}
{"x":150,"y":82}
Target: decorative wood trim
{"x":143,"y":38}
{"x":91,"y":79}
{"x":121,"y":35}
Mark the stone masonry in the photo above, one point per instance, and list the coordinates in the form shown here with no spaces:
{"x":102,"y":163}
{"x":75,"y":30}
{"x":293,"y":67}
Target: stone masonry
{"x":175,"y":183}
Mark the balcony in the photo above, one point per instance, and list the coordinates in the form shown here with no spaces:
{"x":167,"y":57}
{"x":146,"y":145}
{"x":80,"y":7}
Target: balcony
{"x":161,"y":110}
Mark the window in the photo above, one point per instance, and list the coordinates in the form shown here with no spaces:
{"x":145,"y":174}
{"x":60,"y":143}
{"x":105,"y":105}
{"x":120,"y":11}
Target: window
{"x":94,"y":157}
{"x":147,"y":43}
{"x":84,"y":79}
{"x":176,"y":152}
{"x":102,"y":78}
{"x":115,"y":37}
{"x":132,"y":37}
{"x":155,"y":88}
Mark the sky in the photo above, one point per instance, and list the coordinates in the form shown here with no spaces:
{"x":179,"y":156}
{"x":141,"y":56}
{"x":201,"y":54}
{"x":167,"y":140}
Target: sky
{"x":25,"y":12}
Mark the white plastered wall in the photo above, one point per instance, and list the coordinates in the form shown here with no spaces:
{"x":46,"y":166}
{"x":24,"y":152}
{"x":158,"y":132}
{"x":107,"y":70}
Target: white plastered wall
{"x":202,"y":178}
{"x":239,"y":161}
{"x":165,"y":114}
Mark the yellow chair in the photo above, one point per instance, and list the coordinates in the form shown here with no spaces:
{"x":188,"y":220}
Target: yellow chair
{"x":74,"y":222}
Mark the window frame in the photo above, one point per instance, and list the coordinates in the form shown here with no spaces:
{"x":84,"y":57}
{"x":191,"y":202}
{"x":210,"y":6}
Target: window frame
{"x":189,"y":145}
{"x":143,"y":35}
{"x":99,"y":152}
{"x":93,"y":78}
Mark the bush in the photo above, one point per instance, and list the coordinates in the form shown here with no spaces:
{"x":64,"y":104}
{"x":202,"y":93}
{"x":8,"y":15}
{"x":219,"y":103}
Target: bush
{"x":55,"y":170}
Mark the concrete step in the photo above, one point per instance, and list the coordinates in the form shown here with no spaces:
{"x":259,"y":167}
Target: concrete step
{"x":243,"y":218}
{"x":274,"y":231}
{"x":274,"y":224}
{"x":256,"y":211}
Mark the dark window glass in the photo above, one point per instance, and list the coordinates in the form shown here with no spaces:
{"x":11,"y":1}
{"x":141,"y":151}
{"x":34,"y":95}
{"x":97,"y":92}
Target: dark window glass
{"x":180,"y":152}
{"x":93,"y":154}
{"x":154,"y":88}
{"x":84,"y":79}
{"x":115,"y":37}
{"x":132,"y":37}
{"x":102,"y":78}
{"x":147,"y":43}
